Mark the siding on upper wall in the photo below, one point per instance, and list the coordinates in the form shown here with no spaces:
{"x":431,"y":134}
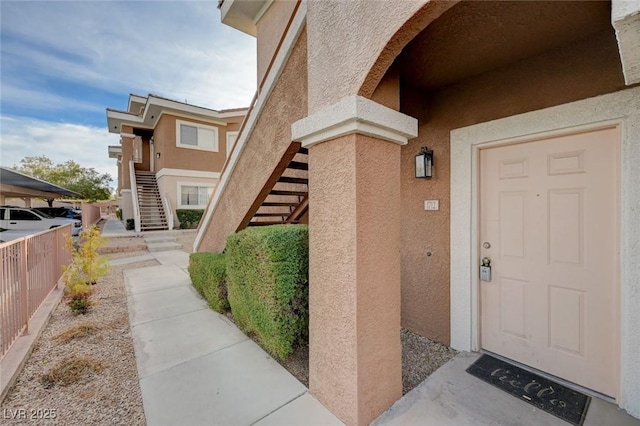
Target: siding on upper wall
{"x":175,"y":157}
{"x":270,"y":29}
{"x":566,"y":74}
{"x":264,"y":148}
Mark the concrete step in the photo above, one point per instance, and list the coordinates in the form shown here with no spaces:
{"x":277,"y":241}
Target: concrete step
{"x":154,"y":239}
{"x":163,"y":246}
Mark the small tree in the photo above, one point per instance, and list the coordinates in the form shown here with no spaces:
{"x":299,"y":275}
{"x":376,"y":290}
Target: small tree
{"x":87,"y":257}
{"x":86,"y":267}
{"x":77,"y":290}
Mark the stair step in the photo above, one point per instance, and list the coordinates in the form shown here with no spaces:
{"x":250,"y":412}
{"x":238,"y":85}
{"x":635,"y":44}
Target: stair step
{"x":282,"y":192}
{"x":289,"y":179}
{"x":272,"y":214}
{"x":163,"y":246}
{"x":279,"y":203}
{"x":154,"y":239}
{"x":297,"y":165}
{"x":268,"y":223}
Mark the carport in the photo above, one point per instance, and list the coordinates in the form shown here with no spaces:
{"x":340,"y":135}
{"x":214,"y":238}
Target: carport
{"x":16,"y":184}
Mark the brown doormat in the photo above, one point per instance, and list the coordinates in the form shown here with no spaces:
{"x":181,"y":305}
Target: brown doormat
{"x":554,"y":398}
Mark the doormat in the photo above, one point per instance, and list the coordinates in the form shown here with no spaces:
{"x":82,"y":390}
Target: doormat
{"x":554,"y":398}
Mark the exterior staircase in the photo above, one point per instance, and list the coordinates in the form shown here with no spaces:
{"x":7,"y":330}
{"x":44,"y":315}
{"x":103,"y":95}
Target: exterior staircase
{"x":152,"y":214}
{"x":284,"y":199}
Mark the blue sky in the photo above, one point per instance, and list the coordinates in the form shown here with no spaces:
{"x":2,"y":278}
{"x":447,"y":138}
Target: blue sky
{"x":62,"y":63}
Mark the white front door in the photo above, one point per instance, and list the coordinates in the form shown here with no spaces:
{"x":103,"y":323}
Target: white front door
{"x":549,"y":224}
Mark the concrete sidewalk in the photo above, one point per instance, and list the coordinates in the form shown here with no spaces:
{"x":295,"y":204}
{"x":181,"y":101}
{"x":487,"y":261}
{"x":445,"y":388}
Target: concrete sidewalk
{"x":196,"y":367}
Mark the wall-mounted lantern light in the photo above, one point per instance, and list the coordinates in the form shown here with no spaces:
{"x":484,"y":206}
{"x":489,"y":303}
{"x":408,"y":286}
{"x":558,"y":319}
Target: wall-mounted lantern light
{"x":424,"y":163}
{"x":157,"y":155}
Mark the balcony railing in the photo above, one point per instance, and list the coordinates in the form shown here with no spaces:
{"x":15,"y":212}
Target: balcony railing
{"x":31,"y":268}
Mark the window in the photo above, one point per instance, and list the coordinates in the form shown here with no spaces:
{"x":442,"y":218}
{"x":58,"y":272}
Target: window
{"x":22,"y":215}
{"x":195,"y":196}
{"x":196,"y":136}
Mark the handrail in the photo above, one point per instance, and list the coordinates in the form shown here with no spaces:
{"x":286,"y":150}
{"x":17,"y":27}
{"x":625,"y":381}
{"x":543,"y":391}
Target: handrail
{"x":134,"y":195}
{"x":168,"y":211}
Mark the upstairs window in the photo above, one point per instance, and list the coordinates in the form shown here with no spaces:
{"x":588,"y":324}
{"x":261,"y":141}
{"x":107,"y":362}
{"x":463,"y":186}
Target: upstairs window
{"x":196,"y":136}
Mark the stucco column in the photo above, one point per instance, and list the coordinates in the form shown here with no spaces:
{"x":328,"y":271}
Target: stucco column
{"x":27,"y":202}
{"x":355,"y":356}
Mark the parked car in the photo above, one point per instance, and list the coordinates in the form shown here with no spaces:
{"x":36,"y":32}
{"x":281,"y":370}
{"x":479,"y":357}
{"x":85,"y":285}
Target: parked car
{"x":19,"y":218}
{"x":8,"y":234}
{"x":67,"y":212}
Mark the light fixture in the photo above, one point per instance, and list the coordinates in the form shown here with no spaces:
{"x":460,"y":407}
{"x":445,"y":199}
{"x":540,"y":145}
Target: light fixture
{"x":424,"y":163}
{"x":158,"y":155}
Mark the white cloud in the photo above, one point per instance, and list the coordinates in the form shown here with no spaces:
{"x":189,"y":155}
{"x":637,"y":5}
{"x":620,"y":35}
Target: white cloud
{"x":27,"y":137}
{"x":175,"y":49}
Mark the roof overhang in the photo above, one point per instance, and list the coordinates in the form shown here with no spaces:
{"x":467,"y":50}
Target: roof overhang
{"x":15,"y":184}
{"x":243,"y":14}
{"x":115,"y":151}
{"x":155,"y":106}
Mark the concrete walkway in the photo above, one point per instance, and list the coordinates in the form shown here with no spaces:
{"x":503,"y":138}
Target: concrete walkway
{"x":452,"y":397}
{"x":197,"y":368}
{"x":115,"y":228}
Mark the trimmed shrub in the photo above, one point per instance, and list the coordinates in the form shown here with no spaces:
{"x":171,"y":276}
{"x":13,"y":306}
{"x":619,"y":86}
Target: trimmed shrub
{"x":267,"y":283}
{"x":189,"y":219}
{"x":119,"y":213}
{"x":209,"y":278}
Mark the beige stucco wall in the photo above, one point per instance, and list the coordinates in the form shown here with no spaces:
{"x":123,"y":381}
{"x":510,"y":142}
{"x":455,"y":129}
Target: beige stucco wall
{"x":354,"y":276}
{"x":126,"y":205}
{"x":174,"y":157}
{"x":263,"y":150}
{"x":338,"y":69}
{"x":570,"y":73}
{"x":270,"y":29}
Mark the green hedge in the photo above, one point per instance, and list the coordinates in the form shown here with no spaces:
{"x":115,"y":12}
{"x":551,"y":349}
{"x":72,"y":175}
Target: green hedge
{"x":267,"y":282}
{"x":208,"y":276}
{"x":189,"y":218}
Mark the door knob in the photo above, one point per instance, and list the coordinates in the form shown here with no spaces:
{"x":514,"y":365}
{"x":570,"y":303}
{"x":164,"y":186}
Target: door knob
{"x":486,"y":245}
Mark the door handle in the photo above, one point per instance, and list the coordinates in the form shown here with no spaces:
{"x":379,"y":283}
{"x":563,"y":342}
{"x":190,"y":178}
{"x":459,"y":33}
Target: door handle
{"x":13,"y":223}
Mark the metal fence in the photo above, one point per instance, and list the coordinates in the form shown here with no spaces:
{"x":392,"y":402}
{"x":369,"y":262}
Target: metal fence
{"x":31,"y":268}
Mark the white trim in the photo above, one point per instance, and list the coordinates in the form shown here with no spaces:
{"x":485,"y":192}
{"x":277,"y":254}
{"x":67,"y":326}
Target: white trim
{"x":198,"y":126}
{"x":621,"y":107}
{"x":262,"y":11}
{"x":127,"y":135}
{"x":355,"y":114}
{"x":625,"y":18}
{"x":187,"y":173}
{"x":156,"y":107}
{"x":278,"y":65}
{"x":229,"y":147}
{"x":179,"y":186}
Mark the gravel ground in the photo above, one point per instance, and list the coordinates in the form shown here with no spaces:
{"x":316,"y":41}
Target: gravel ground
{"x":186,"y":238}
{"x":99,"y":347}
{"x":420,"y":358}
